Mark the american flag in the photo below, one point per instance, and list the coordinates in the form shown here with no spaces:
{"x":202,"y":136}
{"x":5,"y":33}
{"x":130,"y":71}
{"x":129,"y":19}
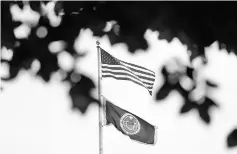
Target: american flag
{"x":120,"y":70}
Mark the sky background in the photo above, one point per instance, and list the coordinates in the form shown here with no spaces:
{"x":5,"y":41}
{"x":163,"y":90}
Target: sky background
{"x":37,"y":117}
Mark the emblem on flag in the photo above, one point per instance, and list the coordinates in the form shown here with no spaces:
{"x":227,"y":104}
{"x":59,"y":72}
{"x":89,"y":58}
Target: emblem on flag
{"x":129,"y":124}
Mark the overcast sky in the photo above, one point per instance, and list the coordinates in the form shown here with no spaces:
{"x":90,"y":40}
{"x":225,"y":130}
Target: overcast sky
{"x":36,"y":117}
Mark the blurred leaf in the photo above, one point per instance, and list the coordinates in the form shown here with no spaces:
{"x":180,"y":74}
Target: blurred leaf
{"x":204,"y":108}
{"x":166,"y":88}
{"x":35,"y":5}
{"x":19,"y":3}
{"x":232,"y":138}
{"x":7,"y":26}
{"x":205,"y":116}
{"x":58,"y":7}
{"x":188,"y":104}
{"x":190,"y":72}
{"x":72,"y":77}
{"x":80,"y":94}
{"x":164,"y":91}
{"x":186,"y":108}
{"x":211,"y":84}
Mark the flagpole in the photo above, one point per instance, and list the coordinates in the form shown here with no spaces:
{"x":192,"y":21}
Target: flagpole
{"x":100,"y":102}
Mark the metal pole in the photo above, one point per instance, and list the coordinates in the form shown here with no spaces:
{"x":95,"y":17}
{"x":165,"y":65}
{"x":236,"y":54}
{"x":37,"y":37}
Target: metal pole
{"x":100,"y":101}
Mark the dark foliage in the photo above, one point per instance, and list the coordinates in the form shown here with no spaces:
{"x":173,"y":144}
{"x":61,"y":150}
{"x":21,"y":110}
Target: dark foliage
{"x":172,"y":83}
{"x":195,"y":24}
{"x":80,"y":93}
{"x":232,"y":139}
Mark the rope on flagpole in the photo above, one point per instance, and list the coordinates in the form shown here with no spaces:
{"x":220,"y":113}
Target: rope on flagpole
{"x":100,"y":101}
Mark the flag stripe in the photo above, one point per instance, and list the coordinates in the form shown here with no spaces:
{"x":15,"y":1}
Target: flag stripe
{"x":122,"y":70}
{"x":142,"y":71}
{"x":137,"y":66}
{"x":118,"y":76}
{"x":127,"y":74}
{"x":127,"y":70}
{"x":138,"y":73}
{"x":125,"y":78}
{"x":121,"y":78}
{"x":134,"y":76}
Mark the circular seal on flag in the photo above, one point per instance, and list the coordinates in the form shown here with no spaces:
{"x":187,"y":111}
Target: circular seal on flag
{"x":129,"y":124}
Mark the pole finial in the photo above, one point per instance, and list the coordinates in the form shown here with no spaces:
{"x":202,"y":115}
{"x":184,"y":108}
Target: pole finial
{"x":97,"y":42}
